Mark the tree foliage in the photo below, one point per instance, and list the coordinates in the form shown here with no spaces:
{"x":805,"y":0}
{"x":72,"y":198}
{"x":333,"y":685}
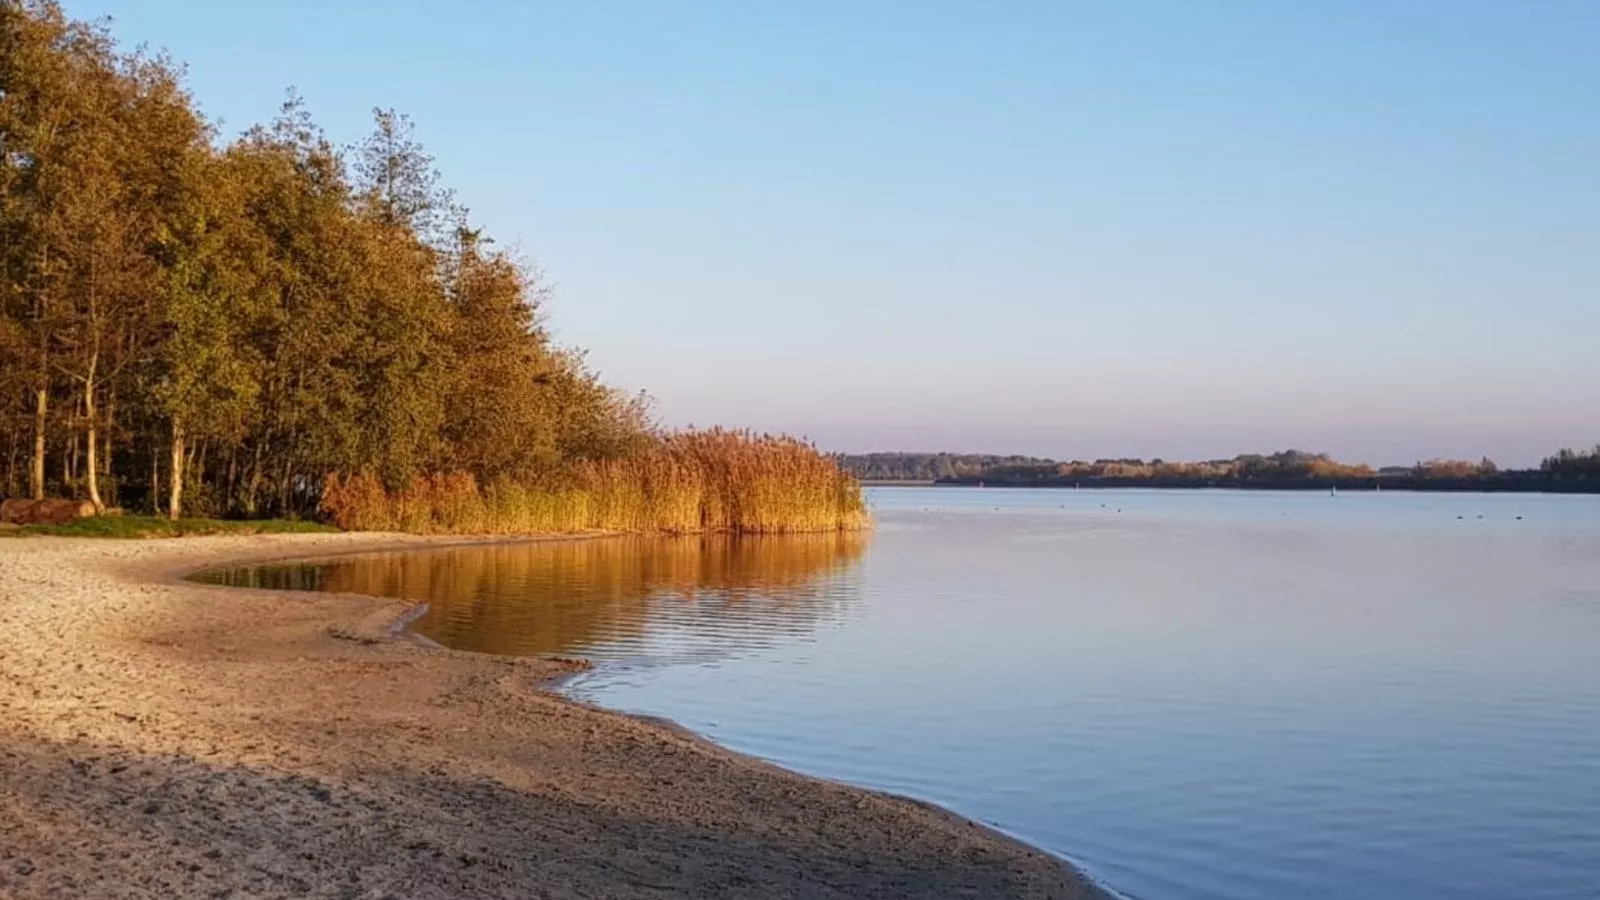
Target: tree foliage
{"x":226,"y":328}
{"x":1581,"y":464}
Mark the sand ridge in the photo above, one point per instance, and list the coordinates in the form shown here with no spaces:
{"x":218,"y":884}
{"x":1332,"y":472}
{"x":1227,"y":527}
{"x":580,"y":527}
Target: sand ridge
{"x":162,"y":739}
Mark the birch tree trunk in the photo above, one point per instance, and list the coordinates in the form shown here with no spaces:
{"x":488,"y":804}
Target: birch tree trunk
{"x":92,"y":437}
{"x":41,"y":413}
{"x":155,"y":480}
{"x":175,"y":494}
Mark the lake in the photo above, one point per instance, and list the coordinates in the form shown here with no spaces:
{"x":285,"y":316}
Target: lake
{"x":1191,"y":694}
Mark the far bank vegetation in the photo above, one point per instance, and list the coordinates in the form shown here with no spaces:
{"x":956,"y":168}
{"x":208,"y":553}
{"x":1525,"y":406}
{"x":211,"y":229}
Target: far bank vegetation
{"x":1566,"y":471}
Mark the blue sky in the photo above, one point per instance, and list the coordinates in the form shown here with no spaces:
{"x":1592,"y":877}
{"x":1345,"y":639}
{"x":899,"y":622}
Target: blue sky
{"x":1073,"y":229}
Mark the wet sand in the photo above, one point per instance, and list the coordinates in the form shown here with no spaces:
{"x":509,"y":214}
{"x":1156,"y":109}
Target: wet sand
{"x":161,"y":739}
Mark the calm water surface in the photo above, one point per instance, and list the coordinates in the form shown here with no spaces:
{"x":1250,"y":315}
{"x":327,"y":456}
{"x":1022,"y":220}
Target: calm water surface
{"x":1191,"y":694}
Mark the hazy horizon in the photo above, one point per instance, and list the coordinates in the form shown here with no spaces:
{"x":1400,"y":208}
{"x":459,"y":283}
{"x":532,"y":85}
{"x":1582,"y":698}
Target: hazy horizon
{"x":1176,"y":230}
{"x":1205,"y":457}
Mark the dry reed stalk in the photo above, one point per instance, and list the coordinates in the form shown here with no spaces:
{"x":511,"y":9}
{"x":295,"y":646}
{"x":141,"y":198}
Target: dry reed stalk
{"x":689,"y":482}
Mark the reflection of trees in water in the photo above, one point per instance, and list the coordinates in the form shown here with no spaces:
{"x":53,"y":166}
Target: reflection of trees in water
{"x":688,"y":597}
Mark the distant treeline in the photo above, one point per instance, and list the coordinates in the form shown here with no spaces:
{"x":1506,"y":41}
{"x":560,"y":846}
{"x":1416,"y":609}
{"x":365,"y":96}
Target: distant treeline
{"x":930,"y":466}
{"x":1567,"y":472}
{"x":230,"y":329}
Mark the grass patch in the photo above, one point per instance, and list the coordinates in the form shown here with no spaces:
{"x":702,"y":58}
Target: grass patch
{"x":153,"y":527}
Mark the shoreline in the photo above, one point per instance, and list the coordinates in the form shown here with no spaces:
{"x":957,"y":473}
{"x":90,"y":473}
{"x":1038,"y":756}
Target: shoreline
{"x":299,"y":744}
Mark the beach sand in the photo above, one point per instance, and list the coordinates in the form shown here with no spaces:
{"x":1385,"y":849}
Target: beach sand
{"x":164,"y":739}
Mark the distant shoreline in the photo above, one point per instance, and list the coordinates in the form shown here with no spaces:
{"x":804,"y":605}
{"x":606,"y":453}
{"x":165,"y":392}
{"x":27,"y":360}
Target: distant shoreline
{"x":1490,"y":485}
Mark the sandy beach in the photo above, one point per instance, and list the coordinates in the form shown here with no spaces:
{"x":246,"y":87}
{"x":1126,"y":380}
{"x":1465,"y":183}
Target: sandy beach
{"x":164,"y":739}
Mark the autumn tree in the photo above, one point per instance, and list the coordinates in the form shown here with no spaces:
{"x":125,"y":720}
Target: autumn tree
{"x":46,"y":104}
{"x":224,"y":327}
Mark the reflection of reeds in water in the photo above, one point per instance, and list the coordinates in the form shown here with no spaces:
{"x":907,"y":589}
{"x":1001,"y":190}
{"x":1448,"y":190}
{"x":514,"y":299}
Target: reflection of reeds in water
{"x":705,"y":594}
